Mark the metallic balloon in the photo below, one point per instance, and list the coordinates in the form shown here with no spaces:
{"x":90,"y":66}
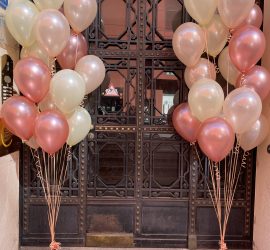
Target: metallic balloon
{"x":258,"y":79}
{"x":92,"y":70}
{"x":188,"y":43}
{"x":48,"y":4}
{"x":76,"y":48}
{"x":52,"y":31}
{"x":255,"y":135}
{"x":185,"y":123}
{"x":80,"y":13}
{"x":202,"y":11}
{"x":242,"y":107}
{"x":216,"y":138}
{"x":246,"y":47}
{"x":19,"y":115}
{"x":205,"y":99}
{"x":79,"y":123}
{"x":227,"y":69}
{"x":234,"y":12}
{"x":32,"y":77}
{"x":51,"y":130}
{"x":203,"y":69}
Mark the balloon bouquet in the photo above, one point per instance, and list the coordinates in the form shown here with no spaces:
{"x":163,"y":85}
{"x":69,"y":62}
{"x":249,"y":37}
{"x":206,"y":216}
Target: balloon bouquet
{"x":209,"y":118}
{"x":48,"y":114}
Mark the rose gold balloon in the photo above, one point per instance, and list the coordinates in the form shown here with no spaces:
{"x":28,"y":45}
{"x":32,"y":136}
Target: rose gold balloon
{"x":80,"y":13}
{"x":203,"y":69}
{"x":47,"y":103}
{"x":188,"y":43}
{"x":32,"y":76}
{"x":258,"y":79}
{"x":234,"y":12}
{"x":185,"y":123}
{"x":254,"y":18}
{"x":52,"y":31}
{"x":19,"y":115}
{"x":216,"y":138}
{"x":51,"y":130}
{"x":247,"y":47}
{"x":76,"y":48}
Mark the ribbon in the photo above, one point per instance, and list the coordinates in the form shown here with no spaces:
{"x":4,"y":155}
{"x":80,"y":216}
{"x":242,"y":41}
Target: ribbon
{"x":222,"y":245}
{"x":55,"y":245}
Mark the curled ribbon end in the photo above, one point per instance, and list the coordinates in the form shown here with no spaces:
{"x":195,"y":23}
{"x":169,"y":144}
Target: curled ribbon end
{"x":55,"y":245}
{"x":223,"y":245}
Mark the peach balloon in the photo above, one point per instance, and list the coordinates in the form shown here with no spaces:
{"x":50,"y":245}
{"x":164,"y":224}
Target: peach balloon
{"x":234,"y":12}
{"x":80,"y":13}
{"x":52,"y":31}
{"x":188,"y":43}
{"x":203,"y":69}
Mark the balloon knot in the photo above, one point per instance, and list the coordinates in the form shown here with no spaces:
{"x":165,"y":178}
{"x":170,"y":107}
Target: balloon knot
{"x":222,"y":245}
{"x":55,"y":245}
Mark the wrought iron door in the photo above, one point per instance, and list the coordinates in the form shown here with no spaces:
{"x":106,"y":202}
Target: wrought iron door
{"x":133,"y":174}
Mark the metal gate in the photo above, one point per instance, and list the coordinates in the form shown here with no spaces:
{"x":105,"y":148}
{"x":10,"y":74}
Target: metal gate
{"x":133,"y":176}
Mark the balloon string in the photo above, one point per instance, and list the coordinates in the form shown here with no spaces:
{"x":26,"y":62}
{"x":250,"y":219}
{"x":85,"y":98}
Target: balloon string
{"x":216,"y":66}
{"x":77,"y":47}
{"x":207,"y":51}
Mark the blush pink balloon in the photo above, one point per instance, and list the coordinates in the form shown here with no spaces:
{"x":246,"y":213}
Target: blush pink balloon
{"x":216,"y":138}
{"x":51,"y":130}
{"x":188,"y":43}
{"x":76,"y":48}
{"x":258,"y":79}
{"x":203,"y":69}
{"x":185,"y":123}
{"x":254,"y":18}
{"x":246,"y":47}
{"x":19,"y":115}
{"x":32,"y":76}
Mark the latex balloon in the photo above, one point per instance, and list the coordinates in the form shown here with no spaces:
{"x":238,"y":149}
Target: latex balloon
{"x":258,"y":79}
{"x":246,"y":47}
{"x":3,"y":61}
{"x":203,"y":69}
{"x":52,"y":31}
{"x":216,"y":138}
{"x":227,"y":68}
{"x":92,"y":69}
{"x":217,"y":36}
{"x":234,"y":12}
{"x":254,"y":18}
{"x":48,"y":4}
{"x":79,"y":125}
{"x":205,"y":99}
{"x":47,"y":103}
{"x":76,"y":48}
{"x":67,"y":90}
{"x":35,"y":50}
{"x":185,"y":123}
{"x":80,"y":13}
{"x":32,"y":77}
{"x":202,"y":11}
{"x":188,"y":43}
{"x":19,"y":115}
{"x":20,"y":19}
{"x":51,"y":130}
{"x":32,"y":143}
{"x":242,"y":107}
{"x":255,"y":135}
